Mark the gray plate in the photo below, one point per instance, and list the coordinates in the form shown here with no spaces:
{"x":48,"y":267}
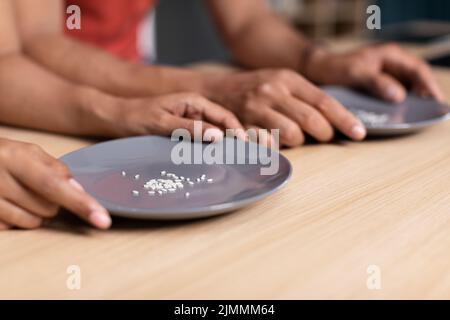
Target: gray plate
{"x":383,"y":118}
{"x":99,"y":170}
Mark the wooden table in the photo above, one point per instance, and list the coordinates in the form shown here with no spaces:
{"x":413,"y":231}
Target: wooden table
{"x":382,"y":203}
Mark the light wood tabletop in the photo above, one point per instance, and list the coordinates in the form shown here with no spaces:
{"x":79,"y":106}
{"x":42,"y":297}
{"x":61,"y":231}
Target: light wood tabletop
{"x":378,"y":206}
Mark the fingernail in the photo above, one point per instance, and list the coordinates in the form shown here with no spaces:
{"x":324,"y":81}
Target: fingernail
{"x":100,"y":219}
{"x":393,"y":94}
{"x":213,"y":135}
{"x":76,"y":184}
{"x":358,"y":132}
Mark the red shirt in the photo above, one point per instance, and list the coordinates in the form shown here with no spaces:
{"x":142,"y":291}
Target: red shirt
{"x":111,"y":24}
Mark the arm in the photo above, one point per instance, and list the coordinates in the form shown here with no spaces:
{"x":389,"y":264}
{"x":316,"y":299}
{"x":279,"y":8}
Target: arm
{"x":272,"y":99}
{"x":9,"y":41}
{"x":258,"y":38}
{"x":35,"y":98}
{"x":29,"y":95}
{"x":55,"y":104}
{"x":41,"y":28}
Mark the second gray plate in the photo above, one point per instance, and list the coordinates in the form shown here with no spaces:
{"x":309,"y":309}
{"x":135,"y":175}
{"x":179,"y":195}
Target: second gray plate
{"x":383,"y":118}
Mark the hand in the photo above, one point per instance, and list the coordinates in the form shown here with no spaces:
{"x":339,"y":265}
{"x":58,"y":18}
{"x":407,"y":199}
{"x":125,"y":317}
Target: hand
{"x":163,"y":114}
{"x":34,"y":186}
{"x":284,"y":100}
{"x":387,"y":71}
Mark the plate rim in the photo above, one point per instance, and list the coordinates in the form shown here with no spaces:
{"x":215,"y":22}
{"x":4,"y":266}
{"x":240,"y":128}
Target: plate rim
{"x":417,"y":125}
{"x":194,"y":213}
{"x":400,"y":127}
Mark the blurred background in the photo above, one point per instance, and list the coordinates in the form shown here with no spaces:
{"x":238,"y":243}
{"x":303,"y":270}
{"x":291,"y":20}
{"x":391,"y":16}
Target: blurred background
{"x":185,"y":33}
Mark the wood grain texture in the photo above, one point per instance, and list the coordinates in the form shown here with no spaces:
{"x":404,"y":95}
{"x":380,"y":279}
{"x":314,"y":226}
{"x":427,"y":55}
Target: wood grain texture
{"x":348,"y":206}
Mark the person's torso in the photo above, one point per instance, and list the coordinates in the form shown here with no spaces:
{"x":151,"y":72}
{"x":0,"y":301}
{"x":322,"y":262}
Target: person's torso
{"x":113,"y":25}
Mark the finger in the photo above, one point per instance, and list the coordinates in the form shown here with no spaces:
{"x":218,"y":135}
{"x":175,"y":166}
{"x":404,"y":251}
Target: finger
{"x":73,"y":197}
{"x":61,"y":189}
{"x":383,"y":85}
{"x":4,"y":226}
{"x":331,"y":109}
{"x":426,"y":84}
{"x":409,"y":68}
{"x":16,"y":216}
{"x":261,"y":136}
{"x":218,"y":116}
{"x":28,"y":200}
{"x":290,"y":133}
{"x":225,"y":119}
{"x":308,"y":118}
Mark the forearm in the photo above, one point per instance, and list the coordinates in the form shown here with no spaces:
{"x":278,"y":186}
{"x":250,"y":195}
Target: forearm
{"x":266,"y":41}
{"x":34,"y":98}
{"x":93,"y":67}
